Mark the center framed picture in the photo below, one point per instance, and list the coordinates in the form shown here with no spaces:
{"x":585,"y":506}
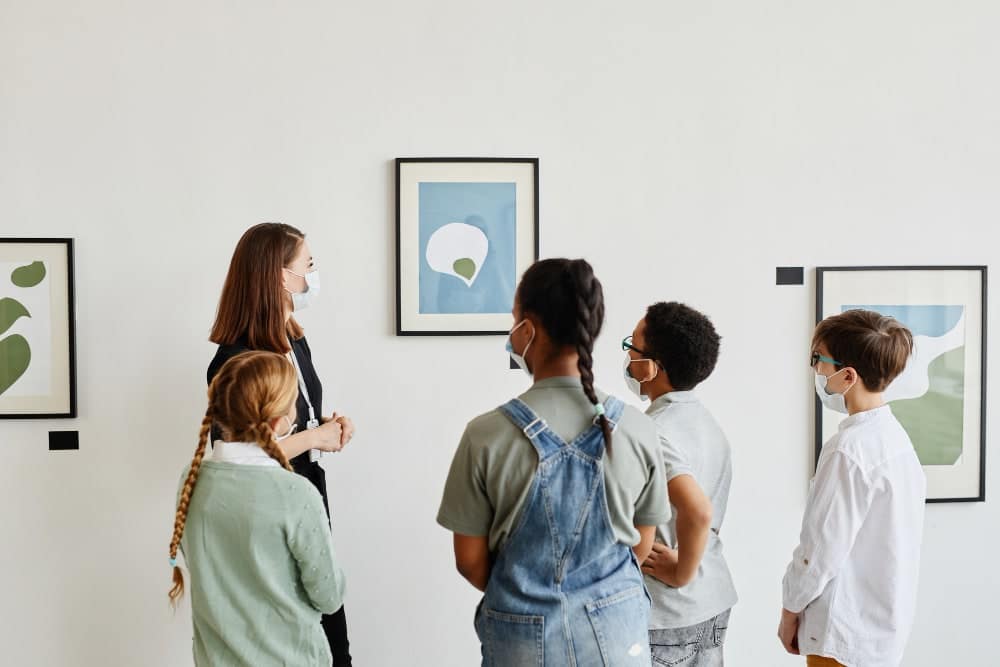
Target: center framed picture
{"x":466,"y":229}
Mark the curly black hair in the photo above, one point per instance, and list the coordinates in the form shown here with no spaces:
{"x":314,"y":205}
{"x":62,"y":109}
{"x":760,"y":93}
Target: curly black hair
{"x":683,"y":341}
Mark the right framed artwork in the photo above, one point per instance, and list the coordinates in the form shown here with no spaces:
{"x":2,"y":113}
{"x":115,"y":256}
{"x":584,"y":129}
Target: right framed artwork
{"x":940,"y":399}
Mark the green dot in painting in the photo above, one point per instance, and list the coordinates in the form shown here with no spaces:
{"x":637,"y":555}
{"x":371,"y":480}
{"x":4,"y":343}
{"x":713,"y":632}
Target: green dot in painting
{"x":465,"y":267}
{"x":28,"y":276}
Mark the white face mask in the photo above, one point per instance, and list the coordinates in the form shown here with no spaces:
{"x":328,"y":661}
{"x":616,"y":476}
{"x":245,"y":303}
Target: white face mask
{"x":519,"y":358}
{"x":835,"y":402}
{"x":301,"y":300}
{"x":291,"y":429}
{"x":634,"y":385}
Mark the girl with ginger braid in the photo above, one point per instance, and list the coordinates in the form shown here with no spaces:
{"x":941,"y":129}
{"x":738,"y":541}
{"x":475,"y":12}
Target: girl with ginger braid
{"x":255,"y":536}
{"x":554,"y":497}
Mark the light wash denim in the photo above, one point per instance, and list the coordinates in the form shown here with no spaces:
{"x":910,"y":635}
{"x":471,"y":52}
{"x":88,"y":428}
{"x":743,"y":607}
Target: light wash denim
{"x":694,"y":646}
{"x":563,"y":591}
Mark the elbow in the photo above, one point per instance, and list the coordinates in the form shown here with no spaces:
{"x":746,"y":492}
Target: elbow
{"x":468,"y":570}
{"x":334,"y":600}
{"x":702,"y":516}
{"x":684,"y":578}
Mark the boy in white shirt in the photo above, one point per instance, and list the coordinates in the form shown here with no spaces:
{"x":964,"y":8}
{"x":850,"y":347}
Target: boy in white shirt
{"x":849,"y":594}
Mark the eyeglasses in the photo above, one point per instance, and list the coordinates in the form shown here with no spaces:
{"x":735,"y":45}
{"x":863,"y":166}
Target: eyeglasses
{"x":627,"y":345}
{"x":816,"y":357}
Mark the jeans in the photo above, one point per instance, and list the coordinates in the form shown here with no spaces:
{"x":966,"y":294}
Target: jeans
{"x":694,"y":646}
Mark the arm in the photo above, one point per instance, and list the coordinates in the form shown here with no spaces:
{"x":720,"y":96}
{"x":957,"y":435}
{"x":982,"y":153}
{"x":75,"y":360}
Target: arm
{"x":647,"y":534}
{"x":694,"y":519}
{"x":326,"y":438}
{"x":837,"y":506}
{"x":472,"y":558}
{"x":311,"y":544}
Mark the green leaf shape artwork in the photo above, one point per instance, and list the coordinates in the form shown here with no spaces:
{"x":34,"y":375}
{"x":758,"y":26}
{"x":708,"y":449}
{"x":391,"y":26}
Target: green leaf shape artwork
{"x":28,"y":276}
{"x":465,"y":267}
{"x":11,"y":311}
{"x":15,"y":355}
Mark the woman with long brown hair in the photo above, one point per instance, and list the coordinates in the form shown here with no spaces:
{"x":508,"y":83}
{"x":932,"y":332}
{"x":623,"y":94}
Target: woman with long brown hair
{"x":271,"y":276}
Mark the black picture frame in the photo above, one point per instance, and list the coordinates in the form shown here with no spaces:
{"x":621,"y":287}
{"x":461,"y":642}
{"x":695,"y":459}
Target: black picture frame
{"x":70,"y":331}
{"x":533,"y":225}
{"x":822,"y":272}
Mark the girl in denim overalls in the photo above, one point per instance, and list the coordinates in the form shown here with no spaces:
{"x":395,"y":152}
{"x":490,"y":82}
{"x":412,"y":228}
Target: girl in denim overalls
{"x":543,"y":522}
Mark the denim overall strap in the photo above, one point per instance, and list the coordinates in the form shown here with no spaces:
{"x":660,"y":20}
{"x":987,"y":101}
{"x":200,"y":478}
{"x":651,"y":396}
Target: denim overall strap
{"x":591,"y":441}
{"x":544,"y":440}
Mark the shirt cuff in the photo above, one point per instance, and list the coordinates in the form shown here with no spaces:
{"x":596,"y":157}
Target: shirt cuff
{"x":461,"y":527}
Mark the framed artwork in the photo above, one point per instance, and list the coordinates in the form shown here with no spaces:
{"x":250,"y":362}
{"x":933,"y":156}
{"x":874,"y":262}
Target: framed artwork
{"x":940,"y":399}
{"x":466,"y":229}
{"x":37,"y":329}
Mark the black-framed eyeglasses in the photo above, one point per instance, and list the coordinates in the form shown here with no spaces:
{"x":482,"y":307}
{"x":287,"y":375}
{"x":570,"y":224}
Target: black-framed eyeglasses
{"x":816,"y":357}
{"x":627,"y":345}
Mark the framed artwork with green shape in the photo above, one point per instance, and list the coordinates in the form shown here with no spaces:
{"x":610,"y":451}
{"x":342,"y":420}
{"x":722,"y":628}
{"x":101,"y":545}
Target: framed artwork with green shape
{"x":466,"y":229}
{"x":37,"y":329}
{"x":940,"y":398}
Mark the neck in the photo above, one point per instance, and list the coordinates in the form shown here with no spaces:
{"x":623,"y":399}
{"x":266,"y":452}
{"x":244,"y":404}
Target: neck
{"x":653,"y":394}
{"x":560,"y":366}
{"x":658,"y":386}
{"x":862,"y":401}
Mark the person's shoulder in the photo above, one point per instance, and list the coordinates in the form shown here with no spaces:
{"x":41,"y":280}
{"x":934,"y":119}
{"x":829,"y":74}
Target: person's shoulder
{"x":487,"y":427}
{"x":223,"y":353}
{"x":637,"y":428}
{"x":295,"y":489}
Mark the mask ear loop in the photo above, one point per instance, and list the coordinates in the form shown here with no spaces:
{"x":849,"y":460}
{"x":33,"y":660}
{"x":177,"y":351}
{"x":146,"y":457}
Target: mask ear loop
{"x":656,"y":370}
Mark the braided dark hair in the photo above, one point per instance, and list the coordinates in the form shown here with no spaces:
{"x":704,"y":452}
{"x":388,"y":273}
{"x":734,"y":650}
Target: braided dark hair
{"x":568,"y":299}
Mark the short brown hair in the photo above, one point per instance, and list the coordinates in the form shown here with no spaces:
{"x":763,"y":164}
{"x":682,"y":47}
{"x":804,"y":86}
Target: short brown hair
{"x":253,"y":302}
{"x":876,"y":346}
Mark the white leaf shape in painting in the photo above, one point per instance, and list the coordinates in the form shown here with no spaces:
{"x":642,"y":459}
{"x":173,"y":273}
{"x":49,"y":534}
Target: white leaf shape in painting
{"x":459,"y":250}
{"x":914,"y":381}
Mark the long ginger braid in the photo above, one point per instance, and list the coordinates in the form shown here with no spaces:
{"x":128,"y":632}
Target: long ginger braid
{"x":182,"y":507}
{"x":264,"y":436}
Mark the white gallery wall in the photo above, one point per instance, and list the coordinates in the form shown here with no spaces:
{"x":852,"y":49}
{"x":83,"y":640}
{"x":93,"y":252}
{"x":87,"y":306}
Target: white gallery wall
{"x":687,"y":149}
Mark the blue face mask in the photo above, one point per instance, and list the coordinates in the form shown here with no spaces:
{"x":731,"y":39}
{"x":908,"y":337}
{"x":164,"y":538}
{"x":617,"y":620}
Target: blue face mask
{"x":519,"y":358}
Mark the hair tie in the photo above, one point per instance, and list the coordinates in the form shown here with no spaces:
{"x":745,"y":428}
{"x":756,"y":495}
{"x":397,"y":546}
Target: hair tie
{"x":599,"y":409}
{"x":173,"y":562}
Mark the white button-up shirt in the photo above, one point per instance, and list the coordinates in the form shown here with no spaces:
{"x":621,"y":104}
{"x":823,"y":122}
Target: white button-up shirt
{"x":854,"y":574}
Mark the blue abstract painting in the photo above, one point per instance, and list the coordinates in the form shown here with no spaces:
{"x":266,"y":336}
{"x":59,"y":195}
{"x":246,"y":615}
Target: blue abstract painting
{"x":468,"y":247}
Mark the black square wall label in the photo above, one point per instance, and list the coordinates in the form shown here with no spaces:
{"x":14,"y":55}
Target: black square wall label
{"x":63,"y":440}
{"x":790,"y":275}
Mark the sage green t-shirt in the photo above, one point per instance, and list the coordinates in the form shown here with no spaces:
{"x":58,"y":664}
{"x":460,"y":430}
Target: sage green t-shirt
{"x":495,"y":465}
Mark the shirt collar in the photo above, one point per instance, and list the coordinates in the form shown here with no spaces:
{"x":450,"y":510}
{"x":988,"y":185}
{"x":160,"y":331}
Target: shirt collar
{"x":246,"y":453}
{"x":673,"y":397}
{"x":867,"y":415}
{"x":558,"y":382}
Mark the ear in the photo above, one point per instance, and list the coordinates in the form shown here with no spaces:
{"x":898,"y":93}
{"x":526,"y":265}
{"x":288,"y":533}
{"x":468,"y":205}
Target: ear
{"x":276,"y":424}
